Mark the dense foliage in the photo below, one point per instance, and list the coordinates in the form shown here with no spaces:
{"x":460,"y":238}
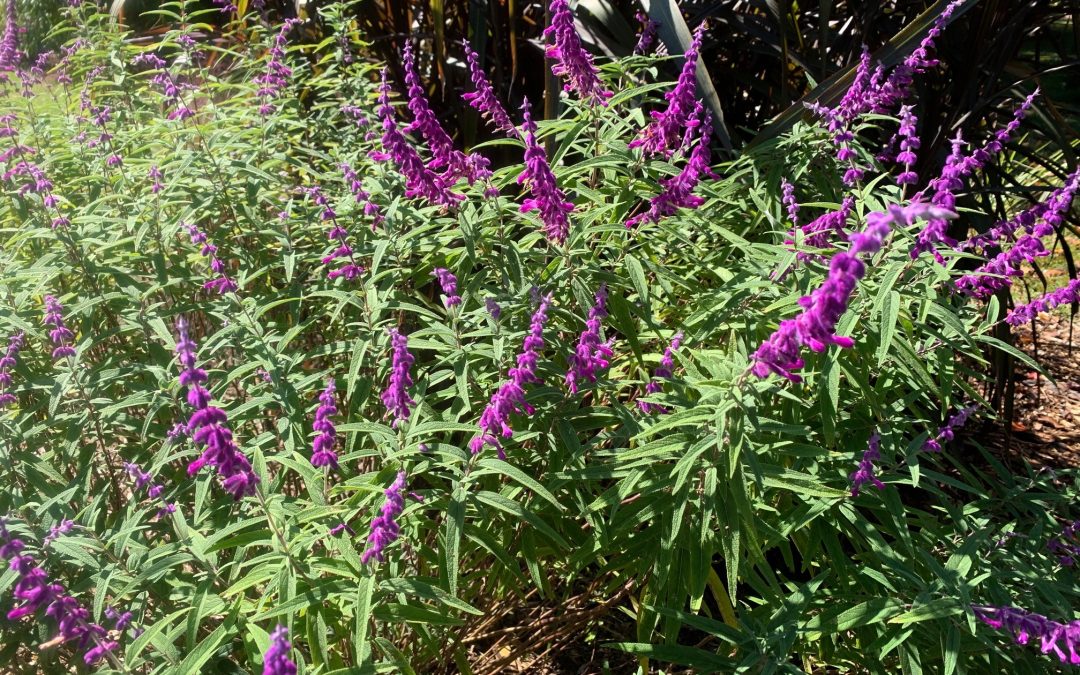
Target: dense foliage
{"x":295,"y":383}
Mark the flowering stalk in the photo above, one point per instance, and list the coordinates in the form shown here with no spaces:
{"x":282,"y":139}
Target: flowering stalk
{"x":647,"y":36}
{"x":662,"y":372}
{"x":60,"y":333}
{"x":948,"y":432}
{"x":276,"y":661}
{"x":547,"y":199}
{"x":815,"y":326}
{"x":819,"y":232}
{"x":865,"y":473}
{"x":207,"y":425}
{"x":510,"y":396}
{"x":994,"y":274}
{"x":384,"y":527}
{"x":222,"y":284}
{"x":483,"y":97}
{"x":420,"y":180}
{"x":1069,"y":294}
{"x":592,"y":354}
{"x":572,"y":62}
{"x":7,"y":362}
{"x":396,"y":395}
{"x":448,"y":283}
{"x":153,"y":490}
{"x":338,"y":236}
{"x":664,"y":133}
{"x":322,"y":449}
{"x":362,"y":196}
{"x":790,"y":202}
{"x":36,"y":591}
{"x":678,"y":191}
{"x":272,"y":80}
{"x":909,"y":143}
{"x":1024,"y":625}
{"x":1051,"y":211}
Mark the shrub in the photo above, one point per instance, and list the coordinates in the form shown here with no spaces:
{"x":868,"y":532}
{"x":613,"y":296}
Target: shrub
{"x":316,"y":387}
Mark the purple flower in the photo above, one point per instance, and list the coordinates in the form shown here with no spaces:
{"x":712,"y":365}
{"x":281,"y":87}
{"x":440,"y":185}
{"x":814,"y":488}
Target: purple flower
{"x":909,"y":143}
{"x":276,"y":661}
{"x":338,"y":237}
{"x":226,"y":6}
{"x":1024,"y":625}
{"x":362,"y":196}
{"x":819,"y":232}
{"x":994,"y":275}
{"x":865,"y":472}
{"x":647,"y":36}
{"x":384,"y":527}
{"x":1050,"y":211}
{"x":7,"y":362}
{"x":122,"y":620}
{"x":222,"y":284}
{"x":1066,"y":295}
{"x":493,"y":308}
{"x":483,"y":96}
{"x":662,"y":372}
{"x":677,"y":191}
{"x":547,"y":199}
{"x":1065,"y":545}
{"x":592,"y":353}
{"x":448,"y":283}
{"x":155,"y":175}
{"x":510,"y":397}
{"x":664,"y":133}
{"x":9,"y":43}
{"x":56,"y":531}
{"x":276,"y":76}
{"x":572,"y":62}
{"x":36,"y":591}
{"x":153,"y":490}
{"x":420,"y":180}
{"x":396,"y":395}
{"x":790,"y":202}
{"x":322,"y":449}
{"x":208,"y":425}
{"x":60,"y":333}
{"x":947,"y":432}
{"x":444,"y":156}
{"x":815,"y":326}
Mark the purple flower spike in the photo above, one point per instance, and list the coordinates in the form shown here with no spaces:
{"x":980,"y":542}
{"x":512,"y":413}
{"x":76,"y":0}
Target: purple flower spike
{"x":384,"y":527}
{"x":820,"y":232}
{"x":790,"y":202}
{"x":36,"y":591}
{"x":1024,"y":625}
{"x":909,"y":143}
{"x":647,"y":36}
{"x":448,"y":283}
{"x":222,"y":284}
{"x":948,"y":432}
{"x":7,"y":362}
{"x":396,"y":395}
{"x":493,"y":308}
{"x":1066,"y":295}
{"x":483,"y":96}
{"x":510,"y":397}
{"x":822,"y":309}
{"x":995,"y":274}
{"x":322,"y":450}
{"x":153,"y":490}
{"x":572,"y":62}
{"x":547,"y":199}
{"x":865,"y":472}
{"x":208,"y":425}
{"x":9,"y":44}
{"x":276,"y":661}
{"x":60,"y":334}
{"x":678,"y":191}
{"x":663,"y":372}
{"x":420,"y":180}
{"x":592,"y":354}
{"x":277,"y":74}
{"x":664,"y":133}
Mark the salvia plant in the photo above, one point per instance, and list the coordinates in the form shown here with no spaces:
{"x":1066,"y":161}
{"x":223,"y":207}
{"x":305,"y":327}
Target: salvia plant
{"x":294,"y":381}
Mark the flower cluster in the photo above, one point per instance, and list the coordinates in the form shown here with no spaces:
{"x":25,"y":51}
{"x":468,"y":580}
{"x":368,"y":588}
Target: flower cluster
{"x":276,"y":660}
{"x":7,"y":362}
{"x":1024,"y":625}
{"x":1066,"y":546}
{"x":909,"y":143}
{"x":483,"y":97}
{"x":448,"y":283}
{"x":592,"y":354}
{"x":547,"y":199}
{"x":815,"y":326}
{"x":571,"y":60}
{"x":362,"y":196}
{"x":384,"y":527}
{"x":678,"y":191}
{"x":153,"y":490}
{"x":36,"y":591}
{"x":9,"y":43}
{"x":1051,"y":211}
{"x":56,"y":531}
{"x":865,"y":473}
{"x":168,"y":85}
{"x":819,"y":232}
{"x":322,"y":449}
{"x":647,"y":36}
{"x":154,"y":174}
{"x":787,"y":191}
{"x":222,"y":284}
{"x":948,"y":432}
{"x":272,"y":80}
{"x":338,"y":237}
{"x":510,"y":397}
{"x":396,"y":395}
{"x":662,"y":372}
{"x":664,"y":134}
{"x":1068,"y":294}
{"x":420,"y":180}
{"x":60,"y":334}
{"x":207,"y":425}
